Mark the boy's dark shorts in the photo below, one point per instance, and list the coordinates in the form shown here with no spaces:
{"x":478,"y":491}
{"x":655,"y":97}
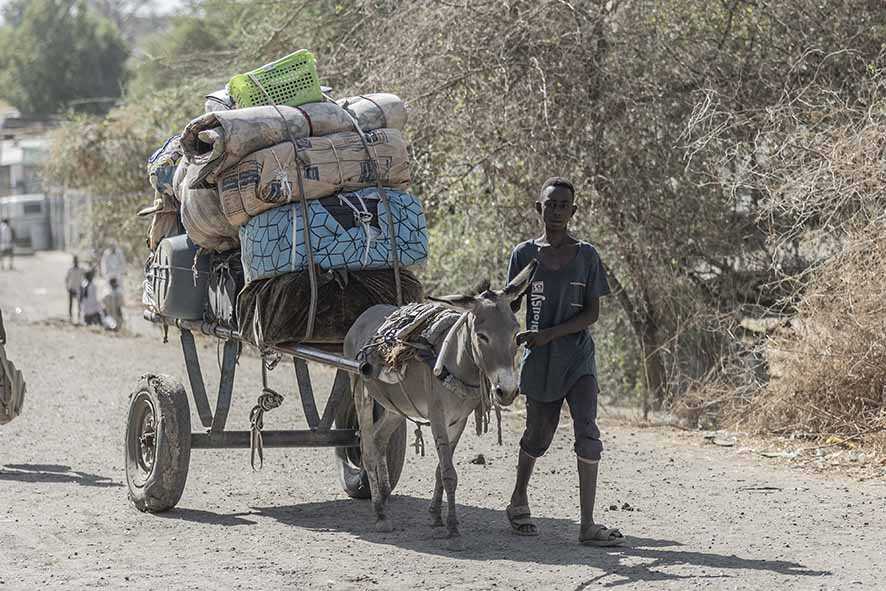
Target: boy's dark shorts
{"x":542,"y":419}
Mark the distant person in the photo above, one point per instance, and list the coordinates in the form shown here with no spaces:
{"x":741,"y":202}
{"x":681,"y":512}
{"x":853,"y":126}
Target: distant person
{"x":7,"y":240}
{"x":89,"y":304}
{"x":73,"y":280}
{"x":113,"y":263}
{"x":113,"y":304}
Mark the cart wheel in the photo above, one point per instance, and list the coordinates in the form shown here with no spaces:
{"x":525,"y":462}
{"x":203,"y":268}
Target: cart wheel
{"x":349,"y":459}
{"x":158,"y":443}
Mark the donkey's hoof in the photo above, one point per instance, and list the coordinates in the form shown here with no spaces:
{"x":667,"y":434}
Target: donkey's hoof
{"x":455,"y":544}
{"x":436,"y":519}
{"x":384,"y":526}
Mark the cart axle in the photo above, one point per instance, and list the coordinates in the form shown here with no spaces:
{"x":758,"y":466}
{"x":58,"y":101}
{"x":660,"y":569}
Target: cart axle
{"x":303,"y":438}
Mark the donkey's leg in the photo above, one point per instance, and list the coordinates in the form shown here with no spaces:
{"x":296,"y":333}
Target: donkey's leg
{"x":370,"y":454}
{"x":382,"y":431}
{"x":439,"y":427}
{"x":435,"y":508}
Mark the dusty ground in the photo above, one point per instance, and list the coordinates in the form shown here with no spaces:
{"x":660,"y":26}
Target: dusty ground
{"x":703,"y":517}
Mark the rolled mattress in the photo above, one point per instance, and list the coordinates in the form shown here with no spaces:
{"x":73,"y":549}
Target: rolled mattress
{"x":348,"y":231}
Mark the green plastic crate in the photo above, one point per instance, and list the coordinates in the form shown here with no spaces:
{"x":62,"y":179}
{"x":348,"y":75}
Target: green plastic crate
{"x":291,"y":80}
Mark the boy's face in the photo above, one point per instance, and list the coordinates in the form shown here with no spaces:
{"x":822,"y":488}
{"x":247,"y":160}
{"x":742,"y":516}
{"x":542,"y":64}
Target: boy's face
{"x":556,"y":207}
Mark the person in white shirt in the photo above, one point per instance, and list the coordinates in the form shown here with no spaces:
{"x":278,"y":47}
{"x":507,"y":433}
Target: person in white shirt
{"x":89,"y":304}
{"x":7,"y":241}
{"x":113,"y":263}
{"x":112,"y":302}
{"x":73,"y":279}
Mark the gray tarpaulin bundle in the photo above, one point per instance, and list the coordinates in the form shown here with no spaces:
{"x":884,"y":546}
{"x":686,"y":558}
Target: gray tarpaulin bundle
{"x":201,"y":213}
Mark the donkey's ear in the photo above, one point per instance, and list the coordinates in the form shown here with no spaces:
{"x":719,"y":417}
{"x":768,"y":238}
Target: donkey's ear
{"x":458,"y":302}
{"x":518,"y":284}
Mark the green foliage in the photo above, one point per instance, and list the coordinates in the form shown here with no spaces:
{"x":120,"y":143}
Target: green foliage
{"x":106,"y":157}
{"x":57,"y":54}
{"x":194,"y":48}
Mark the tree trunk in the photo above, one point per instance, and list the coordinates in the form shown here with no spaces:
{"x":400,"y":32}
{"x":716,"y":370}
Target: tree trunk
{"x":646,"y":333}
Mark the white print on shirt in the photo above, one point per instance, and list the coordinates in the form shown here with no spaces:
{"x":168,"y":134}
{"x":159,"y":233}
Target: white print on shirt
{"x":536,"y":299}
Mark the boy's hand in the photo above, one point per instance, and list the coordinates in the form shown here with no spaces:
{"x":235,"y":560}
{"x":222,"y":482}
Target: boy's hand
{"x":534,"y":338}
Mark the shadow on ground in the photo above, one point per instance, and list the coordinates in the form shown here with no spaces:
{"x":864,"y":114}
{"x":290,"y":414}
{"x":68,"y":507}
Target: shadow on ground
{"x":53,"y":474}
{"x":487,"y":537}
{"x":207,"y":517}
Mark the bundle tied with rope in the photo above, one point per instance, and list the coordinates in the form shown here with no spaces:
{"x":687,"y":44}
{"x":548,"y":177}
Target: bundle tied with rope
{"x":269,"y":399}
{"x":283,"y":178}
{"x":425,"y":332}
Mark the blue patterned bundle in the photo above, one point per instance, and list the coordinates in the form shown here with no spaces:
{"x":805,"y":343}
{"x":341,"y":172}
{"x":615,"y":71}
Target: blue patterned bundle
{"x":348,"y":231}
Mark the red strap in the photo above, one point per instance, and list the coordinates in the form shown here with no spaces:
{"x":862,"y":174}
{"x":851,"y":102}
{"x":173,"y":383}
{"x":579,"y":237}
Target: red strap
{"x":308,"y":119}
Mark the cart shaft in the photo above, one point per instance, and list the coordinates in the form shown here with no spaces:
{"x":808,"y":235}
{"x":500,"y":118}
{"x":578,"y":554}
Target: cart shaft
{"x":298,"y":351}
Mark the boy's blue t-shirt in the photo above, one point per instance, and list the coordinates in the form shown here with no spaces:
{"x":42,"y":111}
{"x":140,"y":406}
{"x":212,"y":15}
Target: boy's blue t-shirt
{"x":554,"y":297}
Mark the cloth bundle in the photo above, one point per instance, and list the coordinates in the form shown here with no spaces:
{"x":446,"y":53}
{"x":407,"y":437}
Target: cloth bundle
{"x":348,"y":231}
{"x":201,"y":213}
{"x":218,"y":140}
{"x":162,"y":166}
{"x":339,"y":162}
{"x":278,"y":308}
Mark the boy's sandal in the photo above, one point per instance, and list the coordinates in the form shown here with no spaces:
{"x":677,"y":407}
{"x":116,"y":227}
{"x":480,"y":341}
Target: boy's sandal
{"x":600,"y":535}
{"x":520,"y":520}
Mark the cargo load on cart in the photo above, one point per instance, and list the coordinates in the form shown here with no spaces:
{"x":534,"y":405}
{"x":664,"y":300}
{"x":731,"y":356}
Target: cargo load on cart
{"x":283,"y":213}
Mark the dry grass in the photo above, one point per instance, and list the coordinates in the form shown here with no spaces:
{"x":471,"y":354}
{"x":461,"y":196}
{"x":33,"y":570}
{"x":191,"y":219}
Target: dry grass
{"x":828,"y":369}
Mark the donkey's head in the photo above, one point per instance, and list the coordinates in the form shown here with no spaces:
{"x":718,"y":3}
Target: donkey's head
{"x":492,"y":330}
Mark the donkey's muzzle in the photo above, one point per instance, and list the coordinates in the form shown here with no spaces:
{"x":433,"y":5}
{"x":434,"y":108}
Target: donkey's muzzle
{"x":504,"y":398}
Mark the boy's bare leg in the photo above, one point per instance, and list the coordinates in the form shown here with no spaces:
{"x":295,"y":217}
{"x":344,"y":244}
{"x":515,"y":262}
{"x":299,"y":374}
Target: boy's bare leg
{"x":525,"y":465}
{"x":587,"y":486}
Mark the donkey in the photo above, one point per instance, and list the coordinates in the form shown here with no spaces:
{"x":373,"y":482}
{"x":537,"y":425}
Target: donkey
{"x":485,"y":344}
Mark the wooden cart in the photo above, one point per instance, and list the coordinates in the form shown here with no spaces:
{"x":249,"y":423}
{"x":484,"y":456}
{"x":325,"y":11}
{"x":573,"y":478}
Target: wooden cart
{"x":159,"y":438}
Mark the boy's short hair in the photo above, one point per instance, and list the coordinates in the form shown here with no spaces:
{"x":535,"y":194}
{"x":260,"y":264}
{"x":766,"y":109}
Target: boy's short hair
{"x":556,"y":181}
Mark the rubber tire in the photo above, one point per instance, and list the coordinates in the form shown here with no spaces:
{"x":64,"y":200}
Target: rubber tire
{"x":351,"y":474}
{"x":163,"y":486}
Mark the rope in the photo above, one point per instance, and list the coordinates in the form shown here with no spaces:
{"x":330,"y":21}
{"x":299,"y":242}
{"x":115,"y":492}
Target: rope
{"x":364,"y":219}
{"x":268,"y":400}
{"x":309,"y":251}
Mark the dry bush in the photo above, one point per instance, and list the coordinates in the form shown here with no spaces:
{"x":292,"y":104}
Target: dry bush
{"x":828,"y":370}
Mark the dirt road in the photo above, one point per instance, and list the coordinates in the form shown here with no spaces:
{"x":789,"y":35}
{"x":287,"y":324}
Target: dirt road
{"x":703,"y":517}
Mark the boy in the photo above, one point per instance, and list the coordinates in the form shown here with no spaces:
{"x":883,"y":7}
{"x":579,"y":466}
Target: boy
{"x":558,"y":363}
{"x":73,"y":279}
{"x":113,"y":304}
{"x":92,"y":311}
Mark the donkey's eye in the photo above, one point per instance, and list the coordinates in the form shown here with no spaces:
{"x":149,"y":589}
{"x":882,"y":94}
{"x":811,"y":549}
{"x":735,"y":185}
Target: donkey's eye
{"x":483,"y":338}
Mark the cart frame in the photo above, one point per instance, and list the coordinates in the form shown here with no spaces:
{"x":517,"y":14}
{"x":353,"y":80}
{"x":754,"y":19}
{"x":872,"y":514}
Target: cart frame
{"x":159,"y":438}
{"x":319,"y":433}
